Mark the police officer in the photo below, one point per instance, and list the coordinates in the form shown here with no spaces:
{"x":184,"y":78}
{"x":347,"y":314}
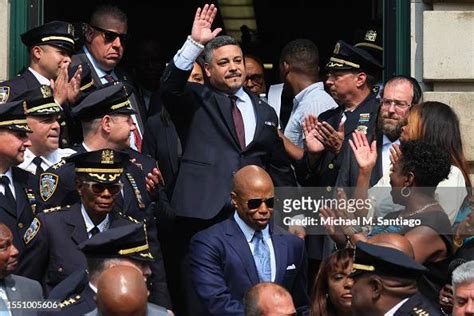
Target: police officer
{"x":385,"y":283}
{"x":352,"y":73}
{"x":124,"y":245}
{"x":42,"y":117}
{"x":51,"y":241}
{"x":18,"y":189}
{"x":51,"y":46}
{"x":105,"y":116}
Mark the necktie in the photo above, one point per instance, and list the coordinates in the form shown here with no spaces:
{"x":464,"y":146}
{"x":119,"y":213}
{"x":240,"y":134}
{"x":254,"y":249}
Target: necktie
{"x":37,"y":162}
{"x":94,"y":231}
{"x":261,"y":256}
{"x":109,"y":78}
{"x":8,"y":193}
{"x":138,"y":139}
{"x":238,"y":121}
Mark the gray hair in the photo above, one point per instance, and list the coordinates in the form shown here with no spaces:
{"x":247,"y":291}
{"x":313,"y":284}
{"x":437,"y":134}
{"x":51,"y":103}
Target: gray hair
{"x":463,"y":274}
{"x":217,"y":42}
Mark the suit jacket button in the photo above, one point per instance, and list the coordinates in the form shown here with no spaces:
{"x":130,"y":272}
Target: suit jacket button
{"x":60,"y":269}
{"x":331,"y":166}
{"x":329,"y":189}
{"x":20,"y":225}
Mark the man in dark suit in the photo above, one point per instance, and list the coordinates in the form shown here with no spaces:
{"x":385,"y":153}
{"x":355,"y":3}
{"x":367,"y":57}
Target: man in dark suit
{"x":51,"y":240}
{"x":105,"y":40}
{"x":385,"y":283}
{"x":19,"y":194}
{"x":230,"y":257}
{"x":222,"y":126}
{"x":14,"y":288}
{"x":397,"y":97}
{"x":51,"y":46}
{"x":103,"y":252}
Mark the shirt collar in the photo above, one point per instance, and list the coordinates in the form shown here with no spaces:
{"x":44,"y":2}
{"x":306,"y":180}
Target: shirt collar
{"x":240,"y":95}
{"x":249,"y":231}
{"x":100,"y":72}
{"x":89,"y":224}
{"x":300,"y":96}
{"x":392,"y":311}
{"x":85,"y":147}
{"x":93,"y":287}
{"x":387,"y":141}
{"x":42,"y":79}
{"x":9,"y":175}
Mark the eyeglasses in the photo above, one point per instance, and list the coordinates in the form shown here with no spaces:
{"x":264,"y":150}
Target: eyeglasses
{"x":397,"y":103}
{"x":98,"y":188}
{"x":110,"y":36}
{"x":256,"y":78}
{"x":255,"y":203}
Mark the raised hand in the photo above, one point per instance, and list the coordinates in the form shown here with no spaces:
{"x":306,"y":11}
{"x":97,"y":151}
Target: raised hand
{"x":313,"y":144}
{"x":154,"y":182}
{"x":365,"y":155}
{"x":201,"y":31}
{"x":331,"y":138}
{"x":395,"y":153}
{"x":74,"y":86}
{"x":60,"y":85}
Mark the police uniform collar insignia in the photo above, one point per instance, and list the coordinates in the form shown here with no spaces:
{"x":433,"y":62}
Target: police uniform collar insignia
{"x":32,"y":231}
{"x":4,"y":94}
{"x":46,"y":91}
{"x":70,"y":29}
{"x":48,"y":185}
{"x":371,"y":36}
{"x":107,"y":156}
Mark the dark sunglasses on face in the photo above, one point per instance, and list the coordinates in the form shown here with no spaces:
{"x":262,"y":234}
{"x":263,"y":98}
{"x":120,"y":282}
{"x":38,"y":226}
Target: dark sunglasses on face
{"x":256,"y":78}
{"x":255,"y":203}
{"x":98,"y":188}
{"x":110,"y":36}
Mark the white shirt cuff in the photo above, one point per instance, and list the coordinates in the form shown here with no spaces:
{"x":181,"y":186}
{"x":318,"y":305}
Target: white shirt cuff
{"x":187,"y":55}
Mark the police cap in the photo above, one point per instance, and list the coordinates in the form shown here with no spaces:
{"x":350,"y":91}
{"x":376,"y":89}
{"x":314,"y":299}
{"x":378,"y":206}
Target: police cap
{"x":40,"y":101}
{"x":13,"y":117}
{"x":55,"y":33}
{"x":348,"y":57}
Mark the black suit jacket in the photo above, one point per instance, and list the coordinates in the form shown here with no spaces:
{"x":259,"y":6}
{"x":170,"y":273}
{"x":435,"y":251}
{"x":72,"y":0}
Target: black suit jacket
{"x":211,"y":151}
{"x":137,"y":103}
{"x":19,"y":217}
{"x":161,"y":142}
{"x":21,"y":83}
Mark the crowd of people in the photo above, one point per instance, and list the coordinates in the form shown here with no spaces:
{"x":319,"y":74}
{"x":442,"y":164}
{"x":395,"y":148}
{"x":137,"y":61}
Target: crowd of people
{"x":156,"y":195}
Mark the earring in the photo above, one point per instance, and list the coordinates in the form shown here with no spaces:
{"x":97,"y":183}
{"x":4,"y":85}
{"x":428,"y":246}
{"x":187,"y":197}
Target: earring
{"x":405,"y":192}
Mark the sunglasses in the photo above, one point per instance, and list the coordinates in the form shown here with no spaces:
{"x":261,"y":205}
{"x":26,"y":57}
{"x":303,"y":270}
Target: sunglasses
{"x":98,"y":188}
{"x":110,"y":36}
{"x":255,"y":203}
{"x":256,"y":78}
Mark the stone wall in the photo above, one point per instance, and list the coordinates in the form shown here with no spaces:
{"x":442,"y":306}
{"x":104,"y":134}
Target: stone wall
{"x":4,"y":37}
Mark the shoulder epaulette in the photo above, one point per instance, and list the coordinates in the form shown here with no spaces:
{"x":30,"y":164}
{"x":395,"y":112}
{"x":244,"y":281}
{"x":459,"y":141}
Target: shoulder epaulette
{"x":56,"y":208}
{"x":69,"y":301}
{"x":420,"y":311}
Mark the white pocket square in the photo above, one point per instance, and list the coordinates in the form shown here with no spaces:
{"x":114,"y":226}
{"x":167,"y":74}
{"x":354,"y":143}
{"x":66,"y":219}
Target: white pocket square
{"x":270,"y":123}
{"x":292,"y":267}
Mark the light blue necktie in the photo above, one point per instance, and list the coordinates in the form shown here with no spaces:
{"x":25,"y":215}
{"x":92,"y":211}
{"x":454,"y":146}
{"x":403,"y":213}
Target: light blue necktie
{"x":261,"y":255}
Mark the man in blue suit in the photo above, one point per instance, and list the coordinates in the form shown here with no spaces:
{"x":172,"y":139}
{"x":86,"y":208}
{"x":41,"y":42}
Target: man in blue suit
{"x":227,"y":259}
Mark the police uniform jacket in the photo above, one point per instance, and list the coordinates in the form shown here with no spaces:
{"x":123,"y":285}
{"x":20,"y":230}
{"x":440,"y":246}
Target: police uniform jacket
{"x":27,"y":198}
{"x":324,"y":174}
{"x":418,"y":305}
{"x":19,"y":84}
{"x":51,"y":241}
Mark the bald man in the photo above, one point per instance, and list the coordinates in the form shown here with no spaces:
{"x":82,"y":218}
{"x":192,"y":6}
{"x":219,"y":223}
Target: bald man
{"x":121,"y":290}
{"x":230,"y":257}
{"x":266,"y":299}
{"x":395,"y":241}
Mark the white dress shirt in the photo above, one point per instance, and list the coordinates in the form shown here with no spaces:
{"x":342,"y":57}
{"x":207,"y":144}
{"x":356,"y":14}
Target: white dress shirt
{"x":46,"y":161}
{"x":42,"y":79}
{"x":102,"y":226}
{"x":9,"y":175}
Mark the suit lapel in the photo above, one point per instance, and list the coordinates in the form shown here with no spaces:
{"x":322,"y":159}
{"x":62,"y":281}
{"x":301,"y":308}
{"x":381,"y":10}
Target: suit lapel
{"x":223,"y":104}
{"x":11,"y":289}
{"x":78,"y":227}
{"x":242,"y":249}
{"x":281,"y":260}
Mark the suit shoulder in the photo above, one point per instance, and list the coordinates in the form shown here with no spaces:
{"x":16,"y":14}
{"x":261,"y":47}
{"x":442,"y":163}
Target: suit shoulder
{"x":216,"y":231}
{"x":329,"y":113}
{"x":21,"y":280}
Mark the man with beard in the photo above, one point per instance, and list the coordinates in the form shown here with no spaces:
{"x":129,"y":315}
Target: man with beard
{"x":398,"y":95}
